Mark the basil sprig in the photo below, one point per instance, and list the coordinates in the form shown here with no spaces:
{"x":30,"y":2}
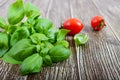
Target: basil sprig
{"x":33,"y":42}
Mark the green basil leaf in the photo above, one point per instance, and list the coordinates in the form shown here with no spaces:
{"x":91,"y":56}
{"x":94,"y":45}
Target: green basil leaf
{"x":61,"y":34}
{"x":48,"y":44}
{"x":38,"y":37}
{"x":11,"y":29}
{"x":30,"y":25}
{"x":20,"y":33}
{"x":31,"y":21}
{"x":32,"y":64}
{"x":51,"y":34}
{"x":63,"y":42}
{"x":31,"y":29}
{"x":31,"y":10}
{"x":81,"y":39}
{"x":22,"y":49}
{"x":4,"y":43}
{"x":8,"y":59}
{"x":45,"y":47}
{"x":38,"y":48}
{"x":43,"y":25}
{"x":47,"y":60}
{"x":2,"y":23}
{"x":16,"y":12}
{"x":44,"y":51}
{"x":59,"y":53}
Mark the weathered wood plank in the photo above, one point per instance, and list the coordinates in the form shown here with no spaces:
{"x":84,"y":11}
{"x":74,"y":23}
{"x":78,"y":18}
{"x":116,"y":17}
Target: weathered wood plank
{"x":111,"y":12}
{"x":99,"y":59}
{"x":94,"y":59}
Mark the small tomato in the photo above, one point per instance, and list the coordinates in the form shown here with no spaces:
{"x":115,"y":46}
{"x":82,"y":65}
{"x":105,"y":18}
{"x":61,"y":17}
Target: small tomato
{"x":97,"y":23}
{"x":74,"y":25}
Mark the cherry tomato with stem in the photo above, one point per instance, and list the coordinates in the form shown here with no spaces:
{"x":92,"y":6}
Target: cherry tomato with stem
{"x":98,"y":23}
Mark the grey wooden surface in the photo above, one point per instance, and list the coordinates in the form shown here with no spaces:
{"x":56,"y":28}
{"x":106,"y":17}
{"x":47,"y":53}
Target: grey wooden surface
{"x":98,"y":59}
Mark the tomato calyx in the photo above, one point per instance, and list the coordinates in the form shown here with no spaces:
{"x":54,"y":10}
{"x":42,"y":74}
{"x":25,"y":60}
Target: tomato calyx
{"x":101,"y":25}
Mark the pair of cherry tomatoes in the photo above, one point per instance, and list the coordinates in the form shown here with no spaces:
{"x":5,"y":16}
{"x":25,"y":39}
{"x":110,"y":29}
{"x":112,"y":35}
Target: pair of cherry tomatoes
{"x":75,"y":25}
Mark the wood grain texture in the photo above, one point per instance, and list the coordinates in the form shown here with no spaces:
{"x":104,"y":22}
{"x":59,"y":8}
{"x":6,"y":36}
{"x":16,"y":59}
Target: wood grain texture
{"x":98,"y":59}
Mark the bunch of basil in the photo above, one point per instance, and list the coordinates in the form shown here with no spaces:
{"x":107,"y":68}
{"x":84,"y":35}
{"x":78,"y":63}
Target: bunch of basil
{"x":33,"y":42}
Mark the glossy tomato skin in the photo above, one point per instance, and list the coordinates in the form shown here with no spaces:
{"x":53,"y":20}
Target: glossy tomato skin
{"x":97,"y":23}
{"x":74,"y":25}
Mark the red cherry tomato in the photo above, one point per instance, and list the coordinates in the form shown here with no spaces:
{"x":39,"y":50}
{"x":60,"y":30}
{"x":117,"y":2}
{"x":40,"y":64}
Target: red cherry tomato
{"x":97,"y":23}
{"x":74,"y":25}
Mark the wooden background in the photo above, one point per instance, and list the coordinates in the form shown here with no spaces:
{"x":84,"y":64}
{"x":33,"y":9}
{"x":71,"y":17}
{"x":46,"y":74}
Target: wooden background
{"x":98,"y":59}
